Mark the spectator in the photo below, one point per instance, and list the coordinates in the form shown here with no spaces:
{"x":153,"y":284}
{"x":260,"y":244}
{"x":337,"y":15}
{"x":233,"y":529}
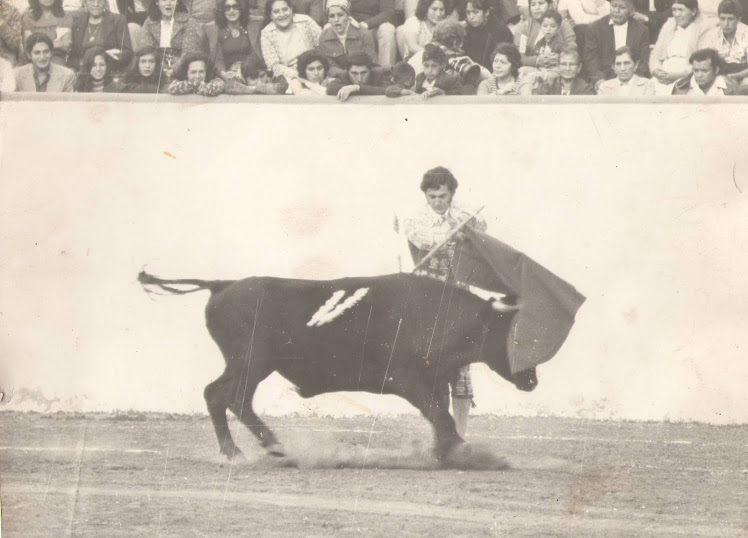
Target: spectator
{"x":93,"y":76}
{"x":378,"y":16}
{"x":314,"y":77}
{"x":360,"y":79}
{"x":11,"y":35}
{"x":678,"y":39}
{"x":580,"y":13}
{"x":169,"y":30}
{"x":627,"y":83}
{"x":7,"y":78}
{"x":228,"y":38}
{"x":96,"y":27}
{"x":41,"y":75}
{"x":403,"y":80}
{"x":419,"y":29}
{"x":47,"y":17}
{"x":313,"y":8}
{"x":143,"y":77}
{"x":343,"y":36}
{"x":285,"y":36}
{"x":434,"y":80}
{"x":730,"y":40}
{"x":484,"y":30}
{"x":705,"y":78}
{"x":528,"y":33}
{"x":504,"y":80}
{"x":609,"y":34}
{"x":191,"y":76}
{"x":568,"y":81}
{"x":653,"y":14}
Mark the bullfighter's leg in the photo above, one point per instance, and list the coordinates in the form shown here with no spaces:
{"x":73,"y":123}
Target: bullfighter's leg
{"x":436,"y":410}
{"x":217,"y":398}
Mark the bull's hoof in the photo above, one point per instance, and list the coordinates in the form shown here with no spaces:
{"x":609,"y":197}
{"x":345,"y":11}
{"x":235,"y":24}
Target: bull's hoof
{"x":474,"y":457}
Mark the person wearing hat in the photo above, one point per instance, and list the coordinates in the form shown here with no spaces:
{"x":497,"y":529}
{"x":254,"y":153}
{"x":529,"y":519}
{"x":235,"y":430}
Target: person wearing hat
{"x":343,"y":36}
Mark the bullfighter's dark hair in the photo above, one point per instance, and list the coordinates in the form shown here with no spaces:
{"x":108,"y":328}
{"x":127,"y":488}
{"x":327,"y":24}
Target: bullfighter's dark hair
{"x":220,"y":14}
{"x":436,"y":177}
{"x":423,"y":7}
{"x":35,"y":38}
{"x":512,"y":54}
{"x":269,"y":8}
{"x":36,"y":9}
{"x":154,"y":13}
{"x":308,"y":57}
{"x":703,"y":55}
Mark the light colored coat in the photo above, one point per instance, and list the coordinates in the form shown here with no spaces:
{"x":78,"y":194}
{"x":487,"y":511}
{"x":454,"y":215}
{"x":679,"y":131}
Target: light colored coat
{"x":61,"y":79}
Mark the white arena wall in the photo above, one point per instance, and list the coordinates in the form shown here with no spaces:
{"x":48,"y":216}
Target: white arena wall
{"x":635,"y":205}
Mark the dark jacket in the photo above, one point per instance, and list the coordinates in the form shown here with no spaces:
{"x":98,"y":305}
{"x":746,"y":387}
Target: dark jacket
{"x":600,"y":45}
{"x":446,"y":82}
{"x":356,"y":40}
{"x":378,"y":82}
{"x":111,"y":34}
{"x":480,"y":42}
{"x":553,"y":87}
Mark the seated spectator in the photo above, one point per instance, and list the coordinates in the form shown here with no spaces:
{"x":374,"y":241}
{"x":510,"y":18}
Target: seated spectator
{"x":528,"y":34}
{"x":403,"y":80}
{"x":191,"y":76}
{"x":504,"y":80}
{"x":730,"y":40}
{"x":313,"y":78}
{"x":484,"y":30}
{"x":678,"y":39}
{"x":627,"y":83}
{"x":435,"y":80}
{"x":143,"y":77}
{"x":343,"y":36}
{"x":232,"y":47}
{"x":11,"y":35}
{"x":285,"y":36}
{"x":257,"y":81}
{"x":705,"y":78}
{"x":583,"y":12}
{"x":7,"y":78}
{"x":169,"y":30}
{"x":313,"y":8}
{"x":93,"y":76}
{"x":378,"y":16}
{"x":47,"y":17}
{"x":360,"y":79}
{"x":418,"y":30}
{"x":41,"y":75}
{"x":96,"y":27}
{"x":568,"y":81}
{"x":609,"y":34}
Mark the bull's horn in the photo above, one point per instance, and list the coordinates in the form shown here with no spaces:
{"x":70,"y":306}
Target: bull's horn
{"x":503,"y":307}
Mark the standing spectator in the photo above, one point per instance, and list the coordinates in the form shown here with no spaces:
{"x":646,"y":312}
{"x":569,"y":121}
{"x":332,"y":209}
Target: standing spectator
{"x":233,"y":47}
{"x":360,"y":79}
{"x":504,"y":79}
{"x":378,"y":16}
{"x":484,"y":30}
{"x":705,"y":78}
{"x":568,"y":81}
{"x":41,"y":75}
{"x":11,"y":35}
{"x":7,"y":77}
{"x":609,"y":34}
{"x":627,"y":83}
{"x":93,"y":76}
{"x":678,"y":39}
{"x":285,"y":36}
{"x":169,"y":30}
{"x":419,"y":29}
{"x":96,"y":27}
{"x":47,"y":17}
{"x":730,"y":40}
{"x":343,"y":36}
{"x":528,"y":33}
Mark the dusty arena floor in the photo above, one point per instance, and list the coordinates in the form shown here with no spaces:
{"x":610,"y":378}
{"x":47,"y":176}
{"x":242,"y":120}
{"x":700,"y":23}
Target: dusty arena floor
{"x":160,"y":475}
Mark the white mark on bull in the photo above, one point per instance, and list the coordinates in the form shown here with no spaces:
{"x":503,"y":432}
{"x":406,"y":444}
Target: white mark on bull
{"x":485,"y":294}
{"x":331,"y":309}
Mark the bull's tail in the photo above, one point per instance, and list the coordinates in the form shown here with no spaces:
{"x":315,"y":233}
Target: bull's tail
{"x":213,"y":286}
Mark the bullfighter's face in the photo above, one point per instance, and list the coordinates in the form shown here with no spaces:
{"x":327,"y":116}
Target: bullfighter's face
{"x":439,"y":199}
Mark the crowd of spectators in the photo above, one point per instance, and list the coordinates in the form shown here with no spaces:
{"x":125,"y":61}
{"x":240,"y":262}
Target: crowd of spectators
{"x":340,"y":48}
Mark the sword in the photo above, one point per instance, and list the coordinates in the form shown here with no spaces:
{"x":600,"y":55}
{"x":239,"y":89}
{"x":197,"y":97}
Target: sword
{"x":459,"y":227}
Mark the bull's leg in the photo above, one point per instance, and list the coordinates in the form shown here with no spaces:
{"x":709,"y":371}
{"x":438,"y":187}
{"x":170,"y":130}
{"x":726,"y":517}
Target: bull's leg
{"x":431,"y":403}
{"x":217,"y":396}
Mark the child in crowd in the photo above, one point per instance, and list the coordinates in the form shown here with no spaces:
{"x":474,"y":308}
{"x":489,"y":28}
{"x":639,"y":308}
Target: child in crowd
{"x":568,"y":82}
{"x":256,"y":81}
{"x":191,"y":76}
{"x":94,"y":76}
{"x":434,"y":80}
{"x":403,"y":80}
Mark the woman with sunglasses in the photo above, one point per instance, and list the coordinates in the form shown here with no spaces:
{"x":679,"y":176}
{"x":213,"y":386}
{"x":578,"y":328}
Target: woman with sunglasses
{"x":234,"y":47}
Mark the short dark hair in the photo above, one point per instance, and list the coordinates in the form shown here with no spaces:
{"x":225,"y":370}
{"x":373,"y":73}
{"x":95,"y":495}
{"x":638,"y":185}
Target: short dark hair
{"x":358,"y":58}
{"x":154,"y":13}
{"x":269,"y":8}
{"x":512,"y":54}
{"x":703,"y":55}
{"x":184,"y":66}
{"x":309,"y":56}
{"x":220,"y":14}
{"x":633,"y":54}
{"x":436,"y":177}
{"x":552,"y":14}
{"x":36,"y":9}
{"x":433,"y":52}
{"x":35,"y":38}
{"x":403,"y":73}
{"x":693,"y":5}
{"x":726,"y":7}
{"x":423,"y":7}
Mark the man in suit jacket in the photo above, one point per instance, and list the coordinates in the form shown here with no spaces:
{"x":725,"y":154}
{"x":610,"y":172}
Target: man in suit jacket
{"x":609,"y":33}
{"x":41,"y":75}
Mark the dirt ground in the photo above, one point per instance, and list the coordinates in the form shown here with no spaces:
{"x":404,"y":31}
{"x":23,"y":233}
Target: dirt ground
{"x":160,"y":475}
